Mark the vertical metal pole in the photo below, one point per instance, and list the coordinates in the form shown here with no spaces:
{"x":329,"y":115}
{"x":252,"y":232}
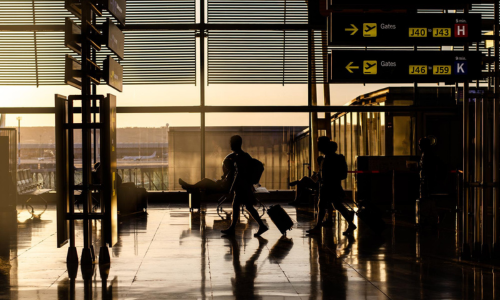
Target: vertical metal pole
{"x":19,"y":141}
{"x":313,"y":100}
{"x":326,"y":85}
{"x":71,"y":175}
{"x":94,"y":93}
{"x":35,"y":43}
{"x":465,"y":255}
{"x":485,"y":191}
{"x":393,"y":205}
{"x":202,"y":86}
{"x":496,"y":135}
{"x":312,"y":145}
{"x":477,"y":178}
{"x":86,"y":137}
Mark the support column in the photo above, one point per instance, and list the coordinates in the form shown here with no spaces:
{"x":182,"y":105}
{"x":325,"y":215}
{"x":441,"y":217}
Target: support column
{"x":496,"y":137}
{"x":466,"y":253}
{"x":202,"y":87}
{"x":477,"y":178}
{"x":312,"y":97}
{"x":87,"y":257}
{"x":326,"y":85}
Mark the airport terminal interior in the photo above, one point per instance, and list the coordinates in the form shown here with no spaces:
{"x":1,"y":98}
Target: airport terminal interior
{"x":371,"y":128}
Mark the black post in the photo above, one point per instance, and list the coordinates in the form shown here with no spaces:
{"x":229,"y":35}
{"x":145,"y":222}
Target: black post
{"x":496,"y":136}
{"x":87,"y":257}
{"x":202,"y":86}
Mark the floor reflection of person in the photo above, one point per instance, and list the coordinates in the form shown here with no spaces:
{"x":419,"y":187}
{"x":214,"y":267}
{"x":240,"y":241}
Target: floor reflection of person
{"x":244,"y":276}
{"x":333,"y":170}
{"x":332,"y":270}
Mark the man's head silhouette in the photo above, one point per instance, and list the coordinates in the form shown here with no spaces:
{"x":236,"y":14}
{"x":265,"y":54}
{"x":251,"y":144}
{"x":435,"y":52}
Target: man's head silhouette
{"x":424,"y":144}
{"x":236,"y":141}
{"x":323,"y":144}
{"x":333,"y":146}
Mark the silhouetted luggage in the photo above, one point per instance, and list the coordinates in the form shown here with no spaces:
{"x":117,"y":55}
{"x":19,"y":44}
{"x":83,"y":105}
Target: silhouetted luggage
{"x":371,"y":216}
{"x":131,"y":199}
{"x":280,"y":218}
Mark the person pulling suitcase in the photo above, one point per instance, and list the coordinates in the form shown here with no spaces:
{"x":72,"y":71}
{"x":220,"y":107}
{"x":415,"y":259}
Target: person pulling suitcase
{"x":333,"y":170}
{"x":242,"y":187}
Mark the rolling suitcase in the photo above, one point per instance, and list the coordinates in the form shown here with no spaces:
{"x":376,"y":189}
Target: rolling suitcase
{"x":280,"y":218}
{"x":371,"y":216}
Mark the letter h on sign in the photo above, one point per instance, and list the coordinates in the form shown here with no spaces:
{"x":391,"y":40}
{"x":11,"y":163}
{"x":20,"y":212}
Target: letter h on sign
{"x":461,"y":30}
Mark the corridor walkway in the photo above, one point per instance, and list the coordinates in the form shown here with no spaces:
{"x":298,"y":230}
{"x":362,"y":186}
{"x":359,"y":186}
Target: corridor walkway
{"x":174,"y":254}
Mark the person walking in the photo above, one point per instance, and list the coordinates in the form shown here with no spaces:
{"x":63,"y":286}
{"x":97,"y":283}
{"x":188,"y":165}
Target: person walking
{"x":333,"y":170}
{"x":242,"y":187}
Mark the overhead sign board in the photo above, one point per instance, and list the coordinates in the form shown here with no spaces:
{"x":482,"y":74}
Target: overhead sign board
{"x":403,"y":66}
{"x":117,"y":8}
{"x":73,"y":72}
{"x":403,"y":29}
{"x":113,"y":73}
{"x":72,"y":36}
{"x":391,"y":4}
{"x":75,"y":7}
{"x":115,"y":40}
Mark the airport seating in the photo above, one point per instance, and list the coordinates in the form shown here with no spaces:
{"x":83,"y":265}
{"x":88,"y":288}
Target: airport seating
{"x":27,"y":188}
{"x":25,"y":182}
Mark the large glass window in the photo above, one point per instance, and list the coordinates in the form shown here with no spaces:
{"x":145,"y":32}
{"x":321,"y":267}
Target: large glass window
{"x":402,"y":135}
{"x":155,"y":150}
{"x":36,"y":151}
{"x":271,"y":144}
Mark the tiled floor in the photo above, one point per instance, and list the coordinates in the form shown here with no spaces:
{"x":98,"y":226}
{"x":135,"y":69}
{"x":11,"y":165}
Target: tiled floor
{"x":174,"y":254}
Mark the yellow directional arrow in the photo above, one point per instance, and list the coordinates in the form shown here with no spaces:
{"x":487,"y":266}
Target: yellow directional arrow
{"x":350,"y":67}
{"x":354,"y":29}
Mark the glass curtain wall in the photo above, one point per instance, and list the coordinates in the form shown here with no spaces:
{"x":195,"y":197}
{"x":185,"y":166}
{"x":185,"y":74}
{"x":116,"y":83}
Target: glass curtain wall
{"x":358,"y":134}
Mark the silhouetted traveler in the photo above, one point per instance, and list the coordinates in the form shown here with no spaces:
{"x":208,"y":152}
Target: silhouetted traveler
{"x":428,"y":169}
{"x":305,"y":187}
{"x":208,"y":185}
{"x":242,"y":186}
{"x":333,"y":170}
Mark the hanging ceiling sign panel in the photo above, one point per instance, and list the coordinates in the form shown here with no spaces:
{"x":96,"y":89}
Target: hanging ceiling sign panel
{"x":390,"y":4}
{"x":117,"y":8}
{"x":72,"y":36}
{"x":403,"y":29}
{"x":403,"y":66}
{"x":114,"y":38}
{"x":75,"y":7}
{"x":113,"y":73}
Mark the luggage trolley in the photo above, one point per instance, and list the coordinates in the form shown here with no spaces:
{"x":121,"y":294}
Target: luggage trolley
{"x":259,"y":205}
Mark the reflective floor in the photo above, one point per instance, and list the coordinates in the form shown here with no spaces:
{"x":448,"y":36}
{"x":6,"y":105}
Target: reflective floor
{"x":172,"y":253}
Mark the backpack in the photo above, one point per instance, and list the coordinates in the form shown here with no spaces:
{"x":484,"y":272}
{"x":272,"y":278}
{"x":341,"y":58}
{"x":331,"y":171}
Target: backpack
{"x":256,"y":170}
